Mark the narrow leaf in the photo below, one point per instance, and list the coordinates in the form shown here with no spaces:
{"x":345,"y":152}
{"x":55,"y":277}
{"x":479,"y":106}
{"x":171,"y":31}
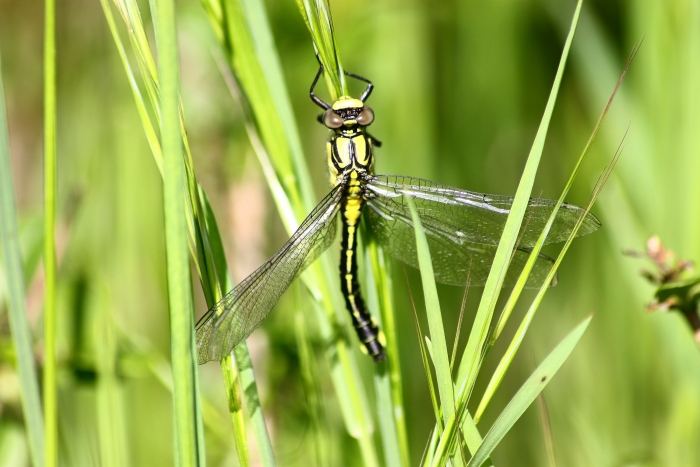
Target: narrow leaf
{"x":528,"y":393}
{"x":19,"y":326}
{"x":185,"y":388}
{"x":432,"y":308}
{"x":50,"y":382}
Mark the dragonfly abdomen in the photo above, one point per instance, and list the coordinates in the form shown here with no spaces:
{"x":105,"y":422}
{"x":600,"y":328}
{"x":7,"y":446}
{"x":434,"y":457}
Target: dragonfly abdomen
{"x":367,"y":330}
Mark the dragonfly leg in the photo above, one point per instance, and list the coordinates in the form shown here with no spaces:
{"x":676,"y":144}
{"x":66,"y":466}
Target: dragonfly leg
{"x":368,"y":89}
{"x":314,"y":97}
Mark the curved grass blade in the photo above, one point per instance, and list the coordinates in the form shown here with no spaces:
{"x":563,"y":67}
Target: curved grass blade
{"x":507,"y":358}
{"x":528,"y":393}
{"x":437,"y":344}
{"x":472,"y":356}
{"x":439,"y":353}
{"x":19,"y":326}
{"x":425,"y":358}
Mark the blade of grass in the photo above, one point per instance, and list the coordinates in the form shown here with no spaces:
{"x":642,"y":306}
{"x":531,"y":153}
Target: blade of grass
{"x":19,"y":326}
{"x":546,"y":426}
{"x":508,"y":308}
{"x":459,"y":322}
{"x":528,"y":392}
{"x":241,"y":49}
{"x":50,"y":383}
{"x":382,"y":383}
{"x":187,"y":414}
{"x":252,"y":400}
{"x":318,"y":19}
{"x":432,"y":308}
{"x":205,"y":240}
{"x":470,"y":361}
{"x":309,"y":368}
{"x":234,"y":394}
{"x":381,"y":278}
{"x":110,"y":426}
{"x":271,"y":67}
{"x":230,"y":366}
{"x":507,"y":358}
{"x":471,"y":358}
{"x":149,"y":129}
{"x":426,"y":363}
{"x":437,"y":344}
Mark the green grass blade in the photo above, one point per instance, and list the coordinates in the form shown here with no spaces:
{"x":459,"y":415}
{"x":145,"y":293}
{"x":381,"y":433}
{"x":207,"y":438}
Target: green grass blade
{"x":109,"y":407}
{"x":234,"y":394}
{"x":472,"y":355}
{"x":271,"y":67}
{"x":252,"y":400}
{"x":318,"y":19}
{"x":437,"y":345}
{"x":19,"y":326}
{"x":241,"y":49}
{"x":207,"y":248}
{"x":149,"y":129}
{"x":309,"y":374}
{"x":385,"y":415}
{"x":439,"y":353}
{"x":425,"y":359}
{"x":185,"y":398}
{"x":382,"y":378}
{"x":528,"y":393}
{"x":471,"y":359}
{"x":379,"y":276}
{"x":513,"y":347}
{"x":50,"y":383}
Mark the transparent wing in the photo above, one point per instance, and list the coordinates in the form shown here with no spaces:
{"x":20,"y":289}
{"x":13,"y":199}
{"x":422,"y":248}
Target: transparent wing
{"x":236,"y":315}
{"x":463,"y":227}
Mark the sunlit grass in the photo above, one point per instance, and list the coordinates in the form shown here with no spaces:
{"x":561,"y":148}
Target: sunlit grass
{"x":459,"y":91}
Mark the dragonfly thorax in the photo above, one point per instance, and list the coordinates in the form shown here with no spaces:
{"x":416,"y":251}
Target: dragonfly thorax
{"x":350,"y":154}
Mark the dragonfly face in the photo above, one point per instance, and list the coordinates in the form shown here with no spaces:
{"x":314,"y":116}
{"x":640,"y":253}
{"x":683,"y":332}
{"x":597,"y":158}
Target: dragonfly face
{"x":350,"y":151}
{"x":463,"y":230}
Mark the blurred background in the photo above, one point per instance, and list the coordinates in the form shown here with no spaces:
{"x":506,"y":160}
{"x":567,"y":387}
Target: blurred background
{"x":460,"y":90}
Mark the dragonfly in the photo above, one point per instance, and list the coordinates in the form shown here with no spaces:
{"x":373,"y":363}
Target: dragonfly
{"x":462,"y":227}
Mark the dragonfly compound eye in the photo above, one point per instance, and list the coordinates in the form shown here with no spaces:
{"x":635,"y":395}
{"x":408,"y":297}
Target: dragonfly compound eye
{"x":366,"y":116}
{"x":332,"y":119}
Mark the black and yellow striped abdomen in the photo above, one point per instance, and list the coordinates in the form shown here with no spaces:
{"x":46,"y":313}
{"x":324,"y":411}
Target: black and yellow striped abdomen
{"x":364,"y":324}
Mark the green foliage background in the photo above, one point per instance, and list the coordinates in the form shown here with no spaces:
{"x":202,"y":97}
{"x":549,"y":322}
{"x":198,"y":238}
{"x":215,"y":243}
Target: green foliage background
{"x":460,"y":88}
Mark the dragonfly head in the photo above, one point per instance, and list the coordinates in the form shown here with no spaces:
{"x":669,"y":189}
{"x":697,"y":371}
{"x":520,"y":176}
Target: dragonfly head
{"x":347,"y":112}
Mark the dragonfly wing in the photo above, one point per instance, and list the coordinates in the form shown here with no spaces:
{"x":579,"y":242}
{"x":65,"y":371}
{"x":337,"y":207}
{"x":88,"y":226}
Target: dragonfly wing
{"x":479,"y":217}
{"x":463,"y":228}
{"x":236,"y":315}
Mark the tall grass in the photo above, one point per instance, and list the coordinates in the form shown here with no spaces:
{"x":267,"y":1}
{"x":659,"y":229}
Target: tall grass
{"x":50,"y":359}
{"x":15,"y":296}
{"x":459,"y":91}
